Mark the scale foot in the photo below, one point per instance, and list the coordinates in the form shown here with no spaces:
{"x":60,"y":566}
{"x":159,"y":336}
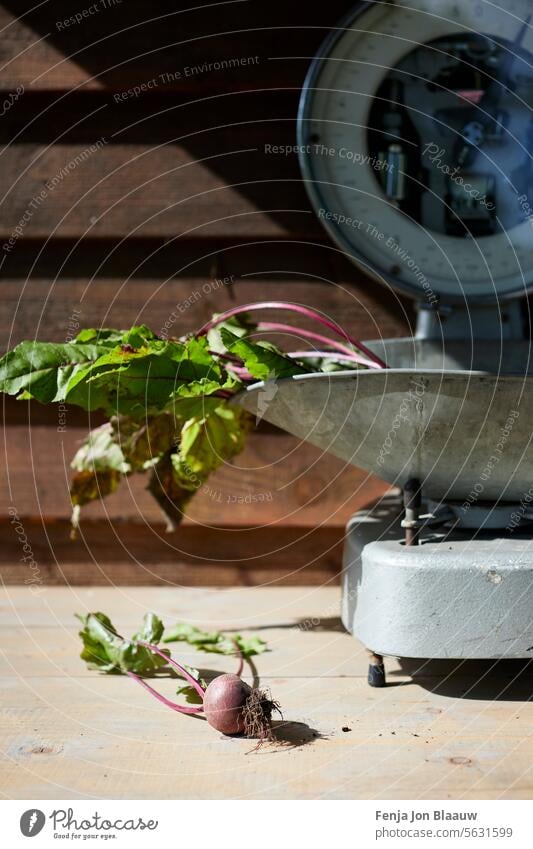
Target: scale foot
{"x":376,"y":671}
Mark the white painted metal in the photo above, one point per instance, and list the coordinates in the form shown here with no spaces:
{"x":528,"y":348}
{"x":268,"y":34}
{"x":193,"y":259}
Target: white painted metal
{"x":465,"y":435}
{"x":458,"y":598}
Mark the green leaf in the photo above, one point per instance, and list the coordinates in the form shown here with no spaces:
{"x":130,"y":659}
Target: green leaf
{"x":140,"y":660}
{"x":171,"y":495}
{"x":113,"y":450}
{"x":251,"y":646}
{"x":206,"y":386}
{"x":103,"y":335}
{"x":101,"y":643}
{"x":142,"y":445}
{"x":164,"y":398}
{"x":262,"y":359}
{"x":215,"y":641}
{"x":144,"y":381}
{"x":151,"y":630}
{"x":207,"y":441}
{"x":99,"y":466}
{"x":100,"y":452}
{"x":212,"y":435}
{"x":183,"y":632}
{"x":89,"y":485}
{"x":43,"y":370}
{"x":127,"y":381}
{"x":139,"y":336}
{"x":106,"y":650}
{"x":240,"y":326}
{"x":184,"y":409}
{"x":191,"y":695}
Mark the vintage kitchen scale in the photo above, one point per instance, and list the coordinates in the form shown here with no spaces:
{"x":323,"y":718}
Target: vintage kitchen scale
{"x":416,"y":142}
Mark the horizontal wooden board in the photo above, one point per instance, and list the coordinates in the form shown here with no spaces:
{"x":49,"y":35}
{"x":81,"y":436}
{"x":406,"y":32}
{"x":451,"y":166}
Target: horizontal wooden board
{"x":117,"y":553}
{"x":130,"y":190}
{"x":173,"y":168}
{"x":50,"y":291}
{"x":275,"y":480}
{"x":241,"y":608}
{"x":87,"y":166}
{"x":221,"y":46}
{"x":81,"y":737}
{"x":293,"y":650}
{"x":66,"y":731}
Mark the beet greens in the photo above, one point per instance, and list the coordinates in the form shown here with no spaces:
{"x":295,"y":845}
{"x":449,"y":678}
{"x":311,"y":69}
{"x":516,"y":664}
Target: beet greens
{"x":167,"y":399}
{"x":227,"y":702}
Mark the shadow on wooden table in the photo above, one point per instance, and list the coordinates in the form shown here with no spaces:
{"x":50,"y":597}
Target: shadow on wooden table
{"x":326,"y":623}
{"x":293,"y":735}
{"x":491,"y":680}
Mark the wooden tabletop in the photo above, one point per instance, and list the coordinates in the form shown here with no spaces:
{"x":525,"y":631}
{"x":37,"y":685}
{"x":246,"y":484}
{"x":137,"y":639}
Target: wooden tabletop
{"x":439,"y":730}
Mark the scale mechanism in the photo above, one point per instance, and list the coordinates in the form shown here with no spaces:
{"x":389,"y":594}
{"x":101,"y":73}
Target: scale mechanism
{"x":428,"y":185}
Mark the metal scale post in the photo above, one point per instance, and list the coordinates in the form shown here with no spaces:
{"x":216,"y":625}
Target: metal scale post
{"x":433,"y":576}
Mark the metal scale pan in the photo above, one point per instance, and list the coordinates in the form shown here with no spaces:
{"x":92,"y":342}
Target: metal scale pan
{"x":442,"y":427}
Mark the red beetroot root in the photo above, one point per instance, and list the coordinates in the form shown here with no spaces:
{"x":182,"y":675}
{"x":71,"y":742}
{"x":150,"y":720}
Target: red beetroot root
{"x":229,"y":704}
{"x":224,"y":703}
{"x":233,"y":707}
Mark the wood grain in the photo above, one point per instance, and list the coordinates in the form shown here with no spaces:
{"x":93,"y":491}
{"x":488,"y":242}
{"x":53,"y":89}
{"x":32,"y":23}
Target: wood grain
{"x":68,"y":733}
{"x":49,"y":291}
{"x":163,"y":205}
{"x":236,"y":607}
{"x":130,"y":190}
{"x":294,"y":651}
{"x":92,"y":167}
{"x":131,"y":42}
{"x":276,"y":480}
{"x":120,"y":553}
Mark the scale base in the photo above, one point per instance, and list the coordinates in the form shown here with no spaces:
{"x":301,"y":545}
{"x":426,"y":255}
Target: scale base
{"x":458,"y":594}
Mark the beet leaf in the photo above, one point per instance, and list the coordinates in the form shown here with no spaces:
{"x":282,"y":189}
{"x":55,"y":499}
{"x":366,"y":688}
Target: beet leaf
{"x":167,"y":399}
{"x":215,"y":641}
{"x":104,"y":649}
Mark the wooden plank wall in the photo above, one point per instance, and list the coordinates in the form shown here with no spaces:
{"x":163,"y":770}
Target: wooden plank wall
{"x":135,"y":186}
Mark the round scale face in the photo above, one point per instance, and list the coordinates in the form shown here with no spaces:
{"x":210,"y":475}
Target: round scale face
{"x":416,"y":144}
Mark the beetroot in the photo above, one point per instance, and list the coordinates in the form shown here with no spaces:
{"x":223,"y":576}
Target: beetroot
{"x":224,"y":703}
{"x":230,"y":705}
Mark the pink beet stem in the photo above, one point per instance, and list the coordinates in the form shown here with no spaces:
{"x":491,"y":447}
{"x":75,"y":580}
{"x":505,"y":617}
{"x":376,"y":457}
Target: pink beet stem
{"x":183,"y":672}
{"x":307,"y":311}
{"x":239,"y":654}
{"x":241,"y":373}
{"x":310,"y":334}
{"x":235,"y":365}
{"x":326,"y":355}
{"x":163,"y":699}
{"x":230,"y":357}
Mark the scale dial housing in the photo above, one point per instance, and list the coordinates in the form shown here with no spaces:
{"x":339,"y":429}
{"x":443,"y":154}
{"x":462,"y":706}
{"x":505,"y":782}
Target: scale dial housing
{"x":415,"y":138}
